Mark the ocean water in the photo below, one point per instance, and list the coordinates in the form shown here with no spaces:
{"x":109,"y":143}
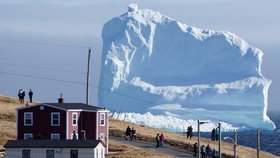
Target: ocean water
{"x":270,"y":140}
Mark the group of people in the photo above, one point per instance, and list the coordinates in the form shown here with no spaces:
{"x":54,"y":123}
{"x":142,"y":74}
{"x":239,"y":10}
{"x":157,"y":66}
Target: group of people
{"x":159,"y":140}
{"x":215,"y":134}
{"x":130,"y":133}
{"x":21,"y":95}
{"x":189,"y":132}
{"x":206,"y":152}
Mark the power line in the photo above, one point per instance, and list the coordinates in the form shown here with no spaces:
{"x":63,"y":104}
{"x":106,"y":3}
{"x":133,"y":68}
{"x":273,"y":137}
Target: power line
{"x":43,"y":78}
{"x":43,"y":43}
{"x":43,"y":68}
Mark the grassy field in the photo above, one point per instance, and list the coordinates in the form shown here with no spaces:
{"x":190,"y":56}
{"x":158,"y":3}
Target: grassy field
{"x":117,"y":128}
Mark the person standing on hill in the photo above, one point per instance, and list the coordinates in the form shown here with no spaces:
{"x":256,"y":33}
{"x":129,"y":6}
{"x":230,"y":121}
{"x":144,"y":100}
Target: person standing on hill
{"x":191,"y":134}
{"x":161,"y":138}
{"x":195,"y":149}
{"x":133,"y":134}
{"x":208,"y":151}
{"x":203,"y":151}
{"x":217,"y":134}
{"x":30,"y":94}
{"x":214,"y":153}
{"x":157,"y":140}
{"x":22,"y":96}
{"x":127,"y":133}
{"x":19,"y":95}
{"x":213,"y":134}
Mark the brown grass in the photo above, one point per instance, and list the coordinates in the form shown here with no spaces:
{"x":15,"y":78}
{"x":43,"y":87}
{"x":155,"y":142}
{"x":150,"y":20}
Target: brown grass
{"x":117,"y":128}
{"x":8,"y":118}
{"x":118,"y":150}
{"x":8,"y":131}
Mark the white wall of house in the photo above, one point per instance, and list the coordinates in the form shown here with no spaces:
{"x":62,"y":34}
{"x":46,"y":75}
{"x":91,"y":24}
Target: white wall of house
{"x":58,"y":152}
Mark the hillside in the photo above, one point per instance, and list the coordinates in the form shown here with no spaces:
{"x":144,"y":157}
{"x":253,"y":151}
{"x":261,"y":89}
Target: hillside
{"x":8,"y":131}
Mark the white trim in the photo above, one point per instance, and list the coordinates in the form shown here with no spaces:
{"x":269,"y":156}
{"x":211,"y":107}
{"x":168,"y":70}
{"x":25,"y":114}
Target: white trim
{"x":31,"y":106}
{"x":104,"y":119}
{"x":67,"y":137}
{"x":75,"y":113}
{"x":27,"y":134}
{"x":24,"y":119}
{"x":107,"y":139}
{"x":53,"y":113}
{"x":55,"y":134}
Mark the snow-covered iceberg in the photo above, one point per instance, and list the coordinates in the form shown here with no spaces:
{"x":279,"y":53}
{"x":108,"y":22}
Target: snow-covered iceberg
{"x":154,"y":63}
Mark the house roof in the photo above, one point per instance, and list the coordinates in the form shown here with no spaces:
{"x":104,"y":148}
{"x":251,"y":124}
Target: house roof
{"x":68,"y":106}
{"x":53,"y":143}
{"x":75,"y":106}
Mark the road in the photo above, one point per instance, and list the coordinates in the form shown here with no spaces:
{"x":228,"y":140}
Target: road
{"x":147,"y":145}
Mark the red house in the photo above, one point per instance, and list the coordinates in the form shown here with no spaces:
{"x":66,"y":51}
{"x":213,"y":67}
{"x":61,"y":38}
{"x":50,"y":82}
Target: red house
{"x":63,"y":121}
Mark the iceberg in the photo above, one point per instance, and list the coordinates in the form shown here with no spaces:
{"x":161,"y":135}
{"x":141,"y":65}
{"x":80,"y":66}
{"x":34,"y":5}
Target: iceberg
{"x":153,"y":63}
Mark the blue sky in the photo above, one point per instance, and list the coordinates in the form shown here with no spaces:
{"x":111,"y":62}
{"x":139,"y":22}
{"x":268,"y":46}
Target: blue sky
{"x":79,"y":23}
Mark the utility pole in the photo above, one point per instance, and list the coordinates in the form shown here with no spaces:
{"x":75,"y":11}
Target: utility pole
{"x":198,"y":138}
{"x":88,"y":70}
{"x":235,"y":143}
{"x":258,"y":143}
{"x":220,"y":141}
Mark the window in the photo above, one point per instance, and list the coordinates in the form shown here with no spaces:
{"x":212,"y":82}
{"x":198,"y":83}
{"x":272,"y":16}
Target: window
{"x":49,"y":154}
{"x":55,"y":136}
{"x":102,"y":119}
{"x":74,"y":154}
{"x":74,"y":119}
{"x":28,"y":119}
{"x":55,"y":119}
{"x":25,"y":153}
{"x":27,"y":136}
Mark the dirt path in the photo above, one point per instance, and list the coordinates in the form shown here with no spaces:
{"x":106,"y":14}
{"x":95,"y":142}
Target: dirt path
{"x":149,"y":146}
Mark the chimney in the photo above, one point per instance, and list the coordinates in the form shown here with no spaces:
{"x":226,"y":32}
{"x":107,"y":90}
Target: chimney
{"x":60,"y":100}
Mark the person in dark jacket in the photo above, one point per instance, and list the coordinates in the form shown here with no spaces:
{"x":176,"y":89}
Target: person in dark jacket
{"x":157,"y":140}
{"x":191,"y":133}
{"x":22,"y":96}
{"x":208,"y":151}
{"x":213,"y":134}
{"x":128,"y":133}
{"x":195,"y":149}
{"x":203,"y":151}
{"x":30,"y":94}
{"x":19,"y":95}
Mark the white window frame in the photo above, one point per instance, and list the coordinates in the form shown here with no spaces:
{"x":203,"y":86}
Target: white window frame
{"x":55,"y":134}
{"x":104,"y":119}
{"x":29,"y":135}
{"x":54,"y":113}
{"x":26,"y":113}
{"x":77,"y":136}
{"x":74,"y":113}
